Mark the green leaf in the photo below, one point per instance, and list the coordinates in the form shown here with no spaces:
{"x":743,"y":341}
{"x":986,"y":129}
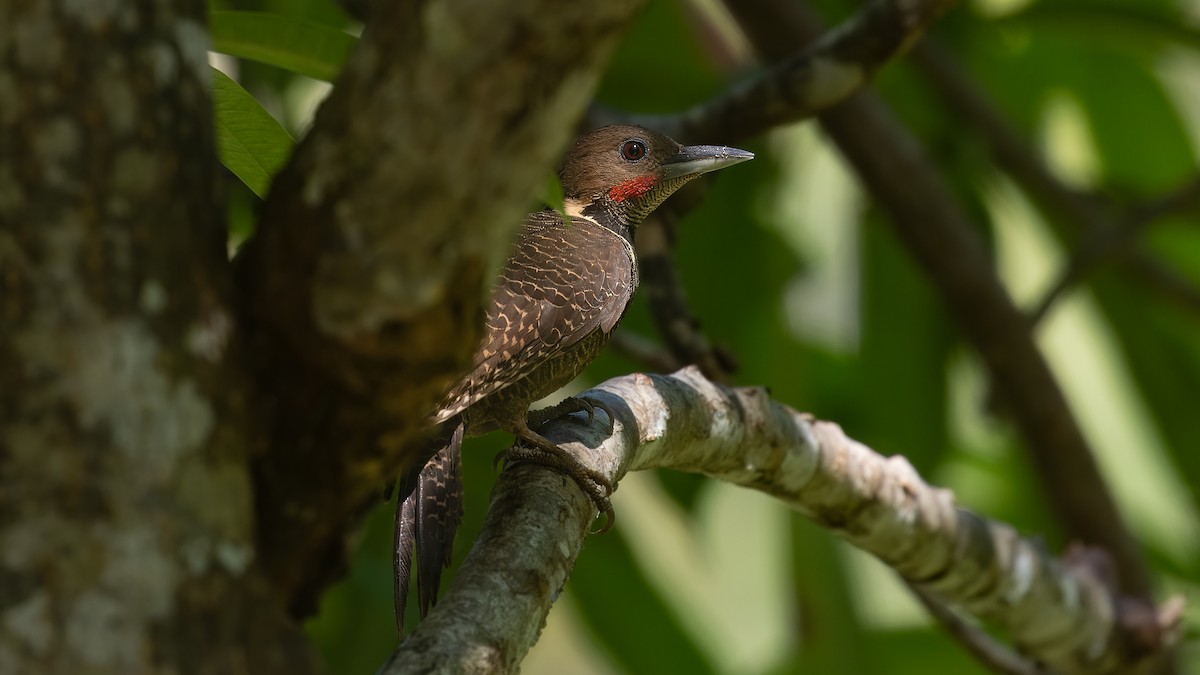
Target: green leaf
{"x":249,"y":141}
{"x":299,"y":46}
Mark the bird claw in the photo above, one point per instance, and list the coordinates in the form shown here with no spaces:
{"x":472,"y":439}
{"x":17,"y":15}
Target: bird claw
{"x":593,"y":483}
{"x":592,"y":404}
{"x":610,"y":516}
{"x":569,"y":405}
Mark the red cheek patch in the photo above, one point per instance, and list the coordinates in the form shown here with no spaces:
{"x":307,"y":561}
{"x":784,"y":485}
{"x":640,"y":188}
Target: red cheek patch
{"x":634,"y":187}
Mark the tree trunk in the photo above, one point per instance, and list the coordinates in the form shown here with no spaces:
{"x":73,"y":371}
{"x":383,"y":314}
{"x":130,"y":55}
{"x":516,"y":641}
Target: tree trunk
{"x":126,"y":523}
{"x":183,"y":449}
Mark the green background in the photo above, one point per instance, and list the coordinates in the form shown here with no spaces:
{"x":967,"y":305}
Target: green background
{"x":791,"y":268}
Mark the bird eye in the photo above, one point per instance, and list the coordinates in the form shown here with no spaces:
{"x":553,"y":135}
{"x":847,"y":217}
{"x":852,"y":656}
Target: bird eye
{"x":633,"y":150}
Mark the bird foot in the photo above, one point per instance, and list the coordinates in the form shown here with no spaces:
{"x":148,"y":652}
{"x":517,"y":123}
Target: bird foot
{"x":572,"y":404}
{"x":535,"y":449}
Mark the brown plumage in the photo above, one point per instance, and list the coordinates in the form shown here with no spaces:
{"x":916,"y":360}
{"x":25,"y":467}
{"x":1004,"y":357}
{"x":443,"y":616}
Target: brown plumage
{"x":562,"y":292}
{"x":560,"y":295}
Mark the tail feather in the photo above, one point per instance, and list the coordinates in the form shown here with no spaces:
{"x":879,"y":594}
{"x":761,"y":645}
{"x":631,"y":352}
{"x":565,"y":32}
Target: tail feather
{"x":427,"y":517}
{"x":439,"y":511}
{"x":403,"y":542}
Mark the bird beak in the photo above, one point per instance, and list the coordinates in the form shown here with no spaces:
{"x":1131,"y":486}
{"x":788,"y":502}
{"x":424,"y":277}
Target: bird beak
{"x":693,"y":160}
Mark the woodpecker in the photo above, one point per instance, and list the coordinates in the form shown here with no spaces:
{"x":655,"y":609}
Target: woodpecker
{"x":563,"y":289}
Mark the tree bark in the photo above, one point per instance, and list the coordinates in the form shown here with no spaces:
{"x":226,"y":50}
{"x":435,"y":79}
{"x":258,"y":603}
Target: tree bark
{"x":140,"y":380}
{"x":1062,"y":613}
{"x":939,"y":234}
{"x":126,"y":522}
{"x":185,"y":446}
{"x":380,"y":238}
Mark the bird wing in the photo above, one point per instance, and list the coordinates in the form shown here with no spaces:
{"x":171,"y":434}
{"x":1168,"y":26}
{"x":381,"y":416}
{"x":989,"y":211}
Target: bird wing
{"x":563,"y":282}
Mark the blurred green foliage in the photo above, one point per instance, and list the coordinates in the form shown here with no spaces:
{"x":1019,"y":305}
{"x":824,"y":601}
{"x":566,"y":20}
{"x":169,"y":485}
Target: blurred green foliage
{"x":789,"y":266}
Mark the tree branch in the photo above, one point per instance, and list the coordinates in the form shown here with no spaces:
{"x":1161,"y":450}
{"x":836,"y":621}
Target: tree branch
{"x":989,"y":651}
{"x":643,"y":351}
{"x":366,"y":278}
{"x":1083,"y":212}
{"x":663,"y":288}
{"x":1165,"y":281}
{"x":1058,"y":614}
{"x":810,"y":79}
{"x":931,"y":222}
{"x":795,"y":88}
{"x":1105,"y":243}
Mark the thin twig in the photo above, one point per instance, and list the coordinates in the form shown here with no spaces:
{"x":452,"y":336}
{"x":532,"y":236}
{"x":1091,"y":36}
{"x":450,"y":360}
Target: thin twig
{"x":1169,"y":283}
{"x":1181,"y":199}
{"x":810,"y":78}
{"x":1109,"y":243}
{"x":645,"y":351}
{"x":663,"y":288}
{"x":987,"y":650}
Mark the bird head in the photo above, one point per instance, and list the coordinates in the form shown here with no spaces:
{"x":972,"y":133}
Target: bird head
{"x":624,"y":171}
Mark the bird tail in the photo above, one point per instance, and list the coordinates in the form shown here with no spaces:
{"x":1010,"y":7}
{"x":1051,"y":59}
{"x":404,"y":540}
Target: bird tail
{"x":428,"y":510}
